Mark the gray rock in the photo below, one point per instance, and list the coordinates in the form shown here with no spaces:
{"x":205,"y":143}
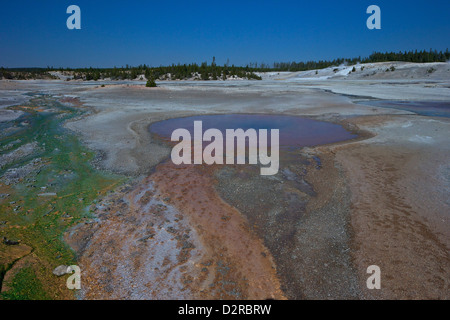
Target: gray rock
{"x":60,"y":270}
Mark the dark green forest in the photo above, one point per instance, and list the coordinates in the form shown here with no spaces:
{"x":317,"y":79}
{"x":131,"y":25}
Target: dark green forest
{"x":212,"y":71}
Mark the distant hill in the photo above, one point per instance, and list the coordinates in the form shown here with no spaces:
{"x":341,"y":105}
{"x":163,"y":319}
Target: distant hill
{"x":368,"y":71}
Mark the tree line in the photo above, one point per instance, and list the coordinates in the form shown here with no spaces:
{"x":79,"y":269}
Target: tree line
{"x":406,"y":56}
{"x":212,"y":71}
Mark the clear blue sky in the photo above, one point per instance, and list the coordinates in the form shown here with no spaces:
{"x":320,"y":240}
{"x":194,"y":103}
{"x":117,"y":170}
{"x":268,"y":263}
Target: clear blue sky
{"x":116,"y":33}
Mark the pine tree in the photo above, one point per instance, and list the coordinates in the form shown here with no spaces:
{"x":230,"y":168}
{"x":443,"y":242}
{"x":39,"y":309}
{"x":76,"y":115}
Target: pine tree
{"x":150,"y":83}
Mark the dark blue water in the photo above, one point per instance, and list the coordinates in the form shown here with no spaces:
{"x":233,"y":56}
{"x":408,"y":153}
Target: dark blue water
{"x":424,"y":108}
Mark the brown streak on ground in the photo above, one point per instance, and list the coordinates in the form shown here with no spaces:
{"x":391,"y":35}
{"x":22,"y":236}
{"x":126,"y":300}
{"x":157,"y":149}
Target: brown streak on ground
{"x":393,"y":216}
{"x":223,"y":230}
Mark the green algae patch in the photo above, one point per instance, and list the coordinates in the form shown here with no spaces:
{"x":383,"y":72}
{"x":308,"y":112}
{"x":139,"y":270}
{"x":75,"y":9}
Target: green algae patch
{"x":43,"y":192}
{"x":26,"y":286}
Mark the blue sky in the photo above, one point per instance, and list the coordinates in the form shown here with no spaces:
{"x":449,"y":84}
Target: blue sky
{"x":116,"y":33}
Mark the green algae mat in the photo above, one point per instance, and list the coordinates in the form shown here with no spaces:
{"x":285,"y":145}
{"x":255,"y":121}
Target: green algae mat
{"x":47,"y":185}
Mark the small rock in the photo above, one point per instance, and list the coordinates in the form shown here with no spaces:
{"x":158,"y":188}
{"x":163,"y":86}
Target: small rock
{"x":10,"y":242}
{"x":60,"y":270}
